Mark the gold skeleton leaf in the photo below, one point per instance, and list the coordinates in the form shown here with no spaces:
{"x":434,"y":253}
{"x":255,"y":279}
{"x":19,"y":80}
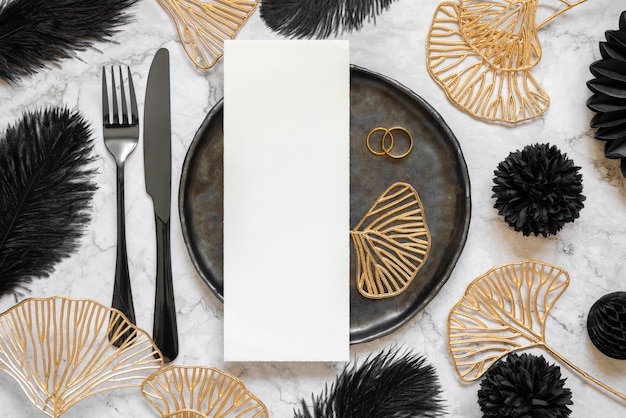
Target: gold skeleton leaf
{"x":391,"y":242}
{"x":503,"y":311}
{"x":204,"y":25}
{"x":58,"y":351}
{"x":481,"y":52}
{"x":192,"y":391}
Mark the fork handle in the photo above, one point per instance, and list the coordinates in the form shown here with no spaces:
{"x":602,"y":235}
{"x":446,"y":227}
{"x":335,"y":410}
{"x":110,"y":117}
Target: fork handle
{"x":122,"y":293}
{"x":165,"y":330}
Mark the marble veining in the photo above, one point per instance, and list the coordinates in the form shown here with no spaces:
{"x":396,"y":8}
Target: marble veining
{"x":591,"y":249}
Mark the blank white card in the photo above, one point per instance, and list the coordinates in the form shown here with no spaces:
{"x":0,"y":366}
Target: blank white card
{"x":286,"y":200}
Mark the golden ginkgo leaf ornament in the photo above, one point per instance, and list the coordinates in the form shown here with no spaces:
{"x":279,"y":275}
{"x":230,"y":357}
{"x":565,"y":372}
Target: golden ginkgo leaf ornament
{"x":62,"y":350}
{"x":391,"y":242}
{"x":204,"y":25}
{"x":482,"y":52}
{"x":503,"y":311}
{"x":203,"y":392}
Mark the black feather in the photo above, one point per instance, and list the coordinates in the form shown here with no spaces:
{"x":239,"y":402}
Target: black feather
{"x":34,"y":33}
{"x":319,"y":18}
{"x":45,"y":193}
{"x":386,"y":385}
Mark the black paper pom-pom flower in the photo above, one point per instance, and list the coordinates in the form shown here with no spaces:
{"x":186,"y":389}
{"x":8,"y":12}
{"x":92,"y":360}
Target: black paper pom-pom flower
{"x":538,"y":190}
{"x":606,"y":325}
{"x":609,"y":94}
{"x":524,"y":386}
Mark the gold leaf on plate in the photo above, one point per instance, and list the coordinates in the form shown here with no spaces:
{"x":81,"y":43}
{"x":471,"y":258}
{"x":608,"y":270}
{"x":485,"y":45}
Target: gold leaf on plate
{"x":391,"y":242}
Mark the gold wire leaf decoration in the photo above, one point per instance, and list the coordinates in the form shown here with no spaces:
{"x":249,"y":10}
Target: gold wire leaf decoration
{"x":195,"y":391}
{"x":391,"y":242}
{"x":204,"y":25}
{"x":481,"y":52}
{"x":505,"y":310}
{"x":58,"y":351}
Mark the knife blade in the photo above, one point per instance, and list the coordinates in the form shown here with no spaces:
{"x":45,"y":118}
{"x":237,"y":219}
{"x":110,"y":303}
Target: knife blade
{"x":157,"y":170}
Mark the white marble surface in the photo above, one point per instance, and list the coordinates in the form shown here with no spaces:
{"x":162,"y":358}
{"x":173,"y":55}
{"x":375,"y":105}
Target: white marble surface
{"x":591,"y":249}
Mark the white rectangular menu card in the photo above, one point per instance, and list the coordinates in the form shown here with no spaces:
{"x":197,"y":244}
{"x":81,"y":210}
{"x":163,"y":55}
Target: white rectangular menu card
{"x":286,"y":200}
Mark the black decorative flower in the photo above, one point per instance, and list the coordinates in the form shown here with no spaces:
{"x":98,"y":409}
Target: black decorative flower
{"x":609,"y":94}
{"x":524,"y":386}
{"x":538,"y":190}
{"x":606,"y":325}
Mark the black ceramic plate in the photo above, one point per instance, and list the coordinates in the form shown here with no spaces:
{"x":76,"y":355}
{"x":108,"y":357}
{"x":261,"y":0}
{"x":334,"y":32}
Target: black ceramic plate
{"x":435,"y":167}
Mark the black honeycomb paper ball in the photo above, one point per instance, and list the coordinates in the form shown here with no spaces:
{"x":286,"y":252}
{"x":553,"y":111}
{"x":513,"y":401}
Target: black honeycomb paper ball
{"x":606,"y":325}
{"x":609,"y":94}
{"x":538,"y":190}
{"x":524,"y":386}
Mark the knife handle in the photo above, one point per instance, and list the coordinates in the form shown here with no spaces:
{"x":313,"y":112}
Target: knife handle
{"x":165,"y":330}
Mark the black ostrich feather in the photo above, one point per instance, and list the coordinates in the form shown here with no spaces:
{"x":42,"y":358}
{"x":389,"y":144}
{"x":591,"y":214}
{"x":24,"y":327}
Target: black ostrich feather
{"x":387,"y":385}
{"x":45,"y":191}
{"x":34,"y":33}
{"x":609,"y":94}
{"x":319,"y":18}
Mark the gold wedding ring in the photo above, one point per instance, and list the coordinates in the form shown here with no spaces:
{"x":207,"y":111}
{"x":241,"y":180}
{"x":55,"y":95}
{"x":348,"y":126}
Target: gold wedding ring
{"x":387,"y":141}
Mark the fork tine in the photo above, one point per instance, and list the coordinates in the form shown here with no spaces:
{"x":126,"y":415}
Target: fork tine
{"x":133,"y":100}
{"x":105,"y":98}
{"x":125,"y":115}
{"x":116,"y":111}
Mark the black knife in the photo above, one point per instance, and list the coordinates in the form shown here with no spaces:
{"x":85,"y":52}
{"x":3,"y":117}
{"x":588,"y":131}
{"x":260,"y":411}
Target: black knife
{"x":158,"y":167}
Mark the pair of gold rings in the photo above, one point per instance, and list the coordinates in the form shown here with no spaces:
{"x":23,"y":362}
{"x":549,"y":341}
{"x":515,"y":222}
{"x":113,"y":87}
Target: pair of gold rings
{"x":388,"y":141}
